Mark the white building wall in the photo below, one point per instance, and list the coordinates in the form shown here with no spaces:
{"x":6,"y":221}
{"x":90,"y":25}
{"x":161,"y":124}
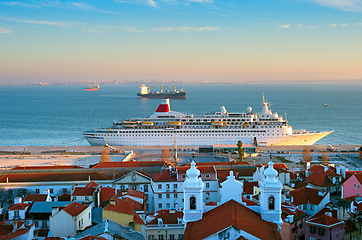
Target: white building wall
{"x":62,"y":225}
{"x":21,"y":214}
{"x":84,"y":219}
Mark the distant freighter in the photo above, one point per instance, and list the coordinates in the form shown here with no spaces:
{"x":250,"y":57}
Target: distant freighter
{"x":164,"y":126}
{"x":92,"y":87}
{"x":146,"y":93}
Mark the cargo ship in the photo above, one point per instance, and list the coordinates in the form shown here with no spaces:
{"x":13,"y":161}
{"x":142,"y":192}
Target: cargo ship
{"x":146,"y":93}
{"x":164,"y":126}
{"x":92,"y":87}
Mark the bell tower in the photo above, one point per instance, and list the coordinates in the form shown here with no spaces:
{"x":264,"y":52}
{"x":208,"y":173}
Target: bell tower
{"x":192,"y":187}
{"x":270,"y":196}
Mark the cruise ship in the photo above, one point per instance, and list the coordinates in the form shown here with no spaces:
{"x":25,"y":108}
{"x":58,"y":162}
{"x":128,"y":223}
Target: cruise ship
{"x":146,"y":93}
{"x":164,"y":126}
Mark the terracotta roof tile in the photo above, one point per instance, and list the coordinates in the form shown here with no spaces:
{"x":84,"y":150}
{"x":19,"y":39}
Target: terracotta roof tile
{"x":45,"y":167}
{"x":164,"y":176}
{"x":167,"y":217}
{"x":249,"y":187}
{"x":202,"y":169}
{"x":233,"y":214}
{"x":130,"y":164}
{"x":121,"y":206}
{"x":52,"y":177}
{"x":321,"y":178}
{"x":105,"y":194}
{"x":135,"y":193}
{"x":18,"y":206}
{"x":211,"y":203}
{"x":74,"y":208}
{"x":92,"y":184}
{"x":137,"y":205}
{"x":325,"y":220}
{"x":83,"y":191}
{"x":305,"y":195}
{"x":36,"y":197}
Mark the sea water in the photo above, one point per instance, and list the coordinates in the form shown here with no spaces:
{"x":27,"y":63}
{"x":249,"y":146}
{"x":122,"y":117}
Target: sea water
{"x":55,"y":115}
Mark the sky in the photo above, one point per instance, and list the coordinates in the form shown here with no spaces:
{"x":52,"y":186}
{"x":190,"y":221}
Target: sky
{"x":191,"y":40}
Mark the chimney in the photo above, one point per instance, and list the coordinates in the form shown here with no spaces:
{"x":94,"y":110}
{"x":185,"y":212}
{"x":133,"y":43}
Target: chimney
{"x":112,"y":201}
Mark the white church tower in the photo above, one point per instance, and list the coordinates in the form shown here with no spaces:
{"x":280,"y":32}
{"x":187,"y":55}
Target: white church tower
{"x":231,"y":189}
{"x":270,"y":196}
{"x":193,"y":187}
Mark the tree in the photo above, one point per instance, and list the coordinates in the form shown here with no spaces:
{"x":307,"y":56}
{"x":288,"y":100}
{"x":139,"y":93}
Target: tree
{"x":240,"y":150}
{"x":105,"y":157}
{"x":306,"y":157}
{"x":325,"y":159}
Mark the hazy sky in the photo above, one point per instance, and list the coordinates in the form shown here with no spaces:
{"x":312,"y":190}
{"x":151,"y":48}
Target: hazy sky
{"x":180,"y":39}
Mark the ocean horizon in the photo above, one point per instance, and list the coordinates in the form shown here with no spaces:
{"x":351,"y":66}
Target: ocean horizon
{"x":55,"y":115}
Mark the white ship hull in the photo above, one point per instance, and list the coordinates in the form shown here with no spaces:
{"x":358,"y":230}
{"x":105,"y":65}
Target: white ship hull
{"x":161,"y":130}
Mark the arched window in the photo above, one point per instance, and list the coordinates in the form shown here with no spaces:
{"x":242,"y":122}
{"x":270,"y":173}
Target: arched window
{"x":271,"y":203}
{"x":192,"y":203}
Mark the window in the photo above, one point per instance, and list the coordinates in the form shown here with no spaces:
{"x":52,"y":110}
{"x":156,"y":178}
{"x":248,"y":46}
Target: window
{"x":312,"y":207}
{"x":86,"y":198}
{"x":134,"y":187}
{"x":172,"y":237}
{"x":192,"y":203}
{"x":37,"y":190}
{"x":160,"y":237}
{"x":16,"y":214}
{"x":207,"y":175}
{"x":312,"y":229}
{"x":36,"y":223}
{"x":175,"y":205}
{"x":175,"y":195}
{"x":159,"y":186}
{"x":145,"y":187}
{"x":51,"y":191}
{"x":160,"y":205}
{"x":167,"y":186}
{"x":74,"y":198}
{"x":159,"y":196}
{"x":183,"y":176}
{"x":167,"y":195}
{"x":207,"y":185}
{"x":320,"y":231}
{"x":271,"y":203}
{"x":175,"y":186}
{"x":354,"y":185}
{"x":151,"y":237}
{"x":168,"y":205}
{"x":65,"y":190}
{"x":180,"y":236}
{"x":45,"y":224}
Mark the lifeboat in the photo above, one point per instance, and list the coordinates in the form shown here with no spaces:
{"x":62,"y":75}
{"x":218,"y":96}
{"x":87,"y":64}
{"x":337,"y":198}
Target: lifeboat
{"x":217,"y":123}
{"x":147,"y":124}
{"x":246,"y":124}
{"x":174,"y":123}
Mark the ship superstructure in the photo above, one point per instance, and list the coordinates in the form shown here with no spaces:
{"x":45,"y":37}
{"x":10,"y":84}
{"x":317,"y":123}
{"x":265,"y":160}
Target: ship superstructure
{"x":162,"y":127}
{"x":92,"y":87}
{"x":146,"y":93}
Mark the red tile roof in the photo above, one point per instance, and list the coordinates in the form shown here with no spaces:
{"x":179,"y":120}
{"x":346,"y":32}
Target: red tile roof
{"x":321,"y":178}
{"x":74,"y":208}
{"x":137,"y":205}
{"x":52,"y":177}
{"x":306,"y":195}
{"x":202,"y":169}
{"x":135,"y":193}
{"x":290,"y":210}
{"x":18,"y":206}
{"x":92,"y":184}
{"x":83,"y":191}
{"x":105,"y":194}
{"x":233,"y":214}
{"x":211,"y":203}
{"x":220,"y":163}
{"x":325,"y":220}
{"x":45,"y":167}
{"x":130,"y":164}
{"x":64,"y":197}
{"x":164,"y":176}
{"x":121,"y":206}
{"x":36,"y":197}
{"x":167,"y":217}
{"x":249,"y":187}
{"x":16,"y":234}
